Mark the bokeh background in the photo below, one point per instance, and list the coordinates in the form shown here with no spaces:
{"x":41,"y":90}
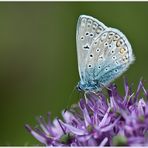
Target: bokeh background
{"x":38,"y":61}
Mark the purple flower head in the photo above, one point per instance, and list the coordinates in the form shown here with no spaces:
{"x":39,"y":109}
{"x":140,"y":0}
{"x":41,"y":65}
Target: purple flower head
{"x":100,"y":120}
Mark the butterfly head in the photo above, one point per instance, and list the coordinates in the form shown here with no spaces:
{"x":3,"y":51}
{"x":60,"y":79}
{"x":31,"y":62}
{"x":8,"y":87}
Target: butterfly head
{"x":80,"y":86}
{"x":87,"y":86}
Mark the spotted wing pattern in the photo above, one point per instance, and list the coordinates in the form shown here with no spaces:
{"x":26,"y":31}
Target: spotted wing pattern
{"x":104,"y":53}
{"x":88,"y":29}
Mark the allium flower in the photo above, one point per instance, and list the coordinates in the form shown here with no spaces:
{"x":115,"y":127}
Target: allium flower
{"x":100,"y":120}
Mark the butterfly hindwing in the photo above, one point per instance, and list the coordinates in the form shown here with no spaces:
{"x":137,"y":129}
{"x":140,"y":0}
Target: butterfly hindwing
{"x":109,"y":56}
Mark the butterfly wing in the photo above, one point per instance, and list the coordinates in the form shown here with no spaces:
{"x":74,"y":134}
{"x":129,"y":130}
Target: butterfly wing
{"x":88,"y":29}
{"x":109,"y":56}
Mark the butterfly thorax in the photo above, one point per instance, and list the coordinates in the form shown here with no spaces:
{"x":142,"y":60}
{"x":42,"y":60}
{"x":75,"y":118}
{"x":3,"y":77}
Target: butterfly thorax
{"x":88,"y":86}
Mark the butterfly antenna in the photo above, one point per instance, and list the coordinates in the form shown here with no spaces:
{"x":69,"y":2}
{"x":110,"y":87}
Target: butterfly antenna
{"x":69,"y":98}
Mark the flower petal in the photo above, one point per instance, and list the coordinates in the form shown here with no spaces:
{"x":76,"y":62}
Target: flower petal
{"x":36,"y":135}
{"x":103,"y":121}
{"x":104,"y":141}
{"x":109,"y":127}
{"x":86,"y":117}
{"x":74,"y":129}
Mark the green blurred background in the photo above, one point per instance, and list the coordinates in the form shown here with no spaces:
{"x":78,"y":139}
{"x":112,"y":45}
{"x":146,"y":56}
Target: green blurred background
{"x":38,"y":61}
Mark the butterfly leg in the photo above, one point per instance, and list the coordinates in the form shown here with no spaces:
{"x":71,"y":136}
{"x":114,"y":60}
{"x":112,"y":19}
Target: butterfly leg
{"x":105,"y":86}
{"x":85,"y":96}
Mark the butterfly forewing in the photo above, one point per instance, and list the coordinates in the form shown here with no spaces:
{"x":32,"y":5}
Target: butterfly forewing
{"x":88,"y":29}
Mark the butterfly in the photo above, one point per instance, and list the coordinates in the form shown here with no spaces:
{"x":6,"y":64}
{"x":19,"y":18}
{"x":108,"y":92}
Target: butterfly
{"x":104,"y":53}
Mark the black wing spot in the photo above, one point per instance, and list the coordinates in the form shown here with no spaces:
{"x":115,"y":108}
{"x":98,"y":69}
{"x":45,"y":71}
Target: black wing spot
{"x":97,"y":49}
{"x":110,"y":46}
{"x":86,"y":33}
{"x":95,"y":43}
{"x":116,"y":70}
{"x":104,"y":35}
{"x":91,"y":34}
{"x":101,"y":57}
{"x":86,"y":47}
{"x":82,"y":37}
{"x":113,"y":57}
{"x":112,"y":51}
{"x":110,"y":34}
{"x":117,"y":62}
{"x":100,"y":28}
{"x":91,"y":55}
{"x":106,"y":44}
{"x":89,"y":65}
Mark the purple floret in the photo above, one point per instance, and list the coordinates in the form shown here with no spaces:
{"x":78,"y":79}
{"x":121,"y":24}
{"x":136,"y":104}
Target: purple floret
{"x":99,"y":120}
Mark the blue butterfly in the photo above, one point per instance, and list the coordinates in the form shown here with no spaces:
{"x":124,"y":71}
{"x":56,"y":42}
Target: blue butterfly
{"x":104,"y":53}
